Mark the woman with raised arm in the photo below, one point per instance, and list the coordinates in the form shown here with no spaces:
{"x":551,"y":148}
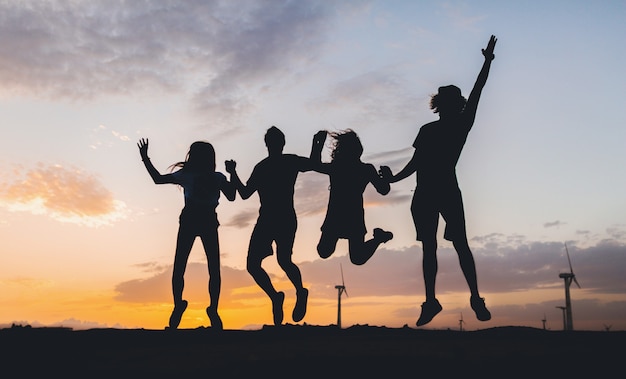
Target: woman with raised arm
{"x":437,"y":150}
{"x":201,"y":187}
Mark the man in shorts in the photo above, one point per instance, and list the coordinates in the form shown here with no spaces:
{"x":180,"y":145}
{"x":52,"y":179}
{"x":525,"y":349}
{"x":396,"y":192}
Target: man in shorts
{"x":273,"y":178}
{"x":438,"y":147}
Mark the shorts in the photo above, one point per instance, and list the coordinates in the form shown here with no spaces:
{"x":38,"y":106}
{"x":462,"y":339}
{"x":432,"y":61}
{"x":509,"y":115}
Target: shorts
{"x":268,"y":230}
{"x":428,"y":205}
{"x":198,"y":220}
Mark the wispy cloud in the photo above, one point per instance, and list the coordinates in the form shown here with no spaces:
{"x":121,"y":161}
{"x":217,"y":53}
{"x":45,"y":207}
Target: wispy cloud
{"x":552,"y":224}
{"x":243,"y":218}
{"x":218,"y":53}
{"x":65,"y":194}
{"x":372,"y":97}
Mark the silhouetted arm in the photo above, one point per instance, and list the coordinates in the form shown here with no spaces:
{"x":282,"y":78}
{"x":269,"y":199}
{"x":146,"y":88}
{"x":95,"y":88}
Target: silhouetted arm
{"x":156,"y":176}
{"x":228,"y":188}
{"x":244,"y":191}
{"x":409,"y":169}
{"x":472,"y":102}
{"x":316,"y":152}
{"x":382,"y":186}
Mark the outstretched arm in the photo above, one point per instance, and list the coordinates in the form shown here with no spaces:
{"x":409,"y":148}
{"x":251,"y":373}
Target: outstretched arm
{"x":410,"y":168}
{"x":154,"y":173}
{"x":244,"y":191}
{"x":472,"y":101}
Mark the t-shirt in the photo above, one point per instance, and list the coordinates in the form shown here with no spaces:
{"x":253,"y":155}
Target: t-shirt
{"x":274,"y":179}
{"x":202,"y":189}
{"x":438,"y":148}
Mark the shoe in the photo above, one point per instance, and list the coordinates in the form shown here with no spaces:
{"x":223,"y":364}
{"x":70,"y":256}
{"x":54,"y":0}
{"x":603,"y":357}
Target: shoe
{"x":382,"y":235}
{"x":216,"y":321}
{"x":478,"y":305}
{"x":177,"y":314}
{"x":300,"y":309}
{"x":430,"y":309}
{"x":277,"y":307}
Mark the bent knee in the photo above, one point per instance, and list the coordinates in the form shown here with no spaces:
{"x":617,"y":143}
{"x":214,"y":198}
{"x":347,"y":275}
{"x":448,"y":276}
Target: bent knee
{"x":325,"y":251}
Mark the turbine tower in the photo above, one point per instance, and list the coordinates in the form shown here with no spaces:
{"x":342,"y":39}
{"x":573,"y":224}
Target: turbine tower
{"x":461,"y":322}
{"x":543,"y":320}
{"x":341,"y":289}
{"x":568,"y":277}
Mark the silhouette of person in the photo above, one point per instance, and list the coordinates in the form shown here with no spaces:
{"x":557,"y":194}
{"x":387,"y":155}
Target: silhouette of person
{"x":345,"y":215}
{"x":201,"y":187}
{"x":437,"y":150}
{"x":273,"y":178}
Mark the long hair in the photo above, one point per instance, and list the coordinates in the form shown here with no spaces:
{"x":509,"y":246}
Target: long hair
{"x":347,"y":146}
{"x":200,"y":157}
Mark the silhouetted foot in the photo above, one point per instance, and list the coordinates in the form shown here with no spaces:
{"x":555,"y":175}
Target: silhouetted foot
{"x":277,"y":307}
{"x":177,"y":314}
{"x":478,"y":305}
{"x":300,"y":309}
{"x":216,"y":321}
{"x":430,"y":309}
{"x":382,"y":235}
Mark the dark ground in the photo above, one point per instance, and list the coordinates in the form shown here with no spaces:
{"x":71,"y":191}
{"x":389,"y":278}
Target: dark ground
{"x":311,"y":352}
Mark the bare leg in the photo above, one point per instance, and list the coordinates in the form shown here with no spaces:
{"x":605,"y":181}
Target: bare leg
{"x":466,"y":259}
{"x":361,"y":251}
{"x":468,"y":266}
{"x":261,"y":278}
{"x":431,"y":307}
{"x":429,"y":267}
{"x":294,"y":275}
{"x":184,"y":242}
{"x":212,"y":251}
{"x":326,"y":246}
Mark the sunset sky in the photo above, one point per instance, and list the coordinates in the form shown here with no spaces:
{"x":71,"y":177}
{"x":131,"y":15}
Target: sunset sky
{"x":87,"y":239}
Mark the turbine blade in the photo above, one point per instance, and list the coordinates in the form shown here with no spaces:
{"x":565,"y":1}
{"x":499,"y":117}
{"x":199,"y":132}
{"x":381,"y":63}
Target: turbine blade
{"x":571,"y":270}
{"x":341,"y":268}
{"x":576,"y":281}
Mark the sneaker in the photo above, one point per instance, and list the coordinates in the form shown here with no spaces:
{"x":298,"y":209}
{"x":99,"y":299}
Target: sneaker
{"x":277,"y":307}
{"x":216,"y":321}
{"x":478,"y":305}
{"x":382,"y":235}
{"x":430,"y":309}
{"x":300,"y":309}
{"x":177,"y":314}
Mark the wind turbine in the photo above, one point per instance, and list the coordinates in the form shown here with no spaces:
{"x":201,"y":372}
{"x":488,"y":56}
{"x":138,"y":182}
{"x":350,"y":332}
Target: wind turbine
{"x":461,"y":322}
{"x":543,"y":320}
{"x":341,"y":289}
{"x":568,"y":277}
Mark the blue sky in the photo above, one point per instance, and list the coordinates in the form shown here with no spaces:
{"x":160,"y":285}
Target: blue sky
{"x":81,"y":82}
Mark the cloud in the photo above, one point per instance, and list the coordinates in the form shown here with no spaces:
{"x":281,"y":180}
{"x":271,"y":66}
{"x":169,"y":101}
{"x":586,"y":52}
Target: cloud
{"x":65,"y":194}
{"x":501,"y":268}
{"x":219,"y":53}
{"x":372,"y":97}
{"x":393,"y":278}
{"x":243,"y":218}
{"x":553,"y":224}
{"x":157,"y":288}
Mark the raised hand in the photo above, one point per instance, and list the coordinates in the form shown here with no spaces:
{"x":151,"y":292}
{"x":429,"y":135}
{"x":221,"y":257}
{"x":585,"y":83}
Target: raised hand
{"x":143,"y":148}
{"x":230,"y":165}
{"x":385,"y":173}
{"x":319,"y":137}
{"x":488,"y":52}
